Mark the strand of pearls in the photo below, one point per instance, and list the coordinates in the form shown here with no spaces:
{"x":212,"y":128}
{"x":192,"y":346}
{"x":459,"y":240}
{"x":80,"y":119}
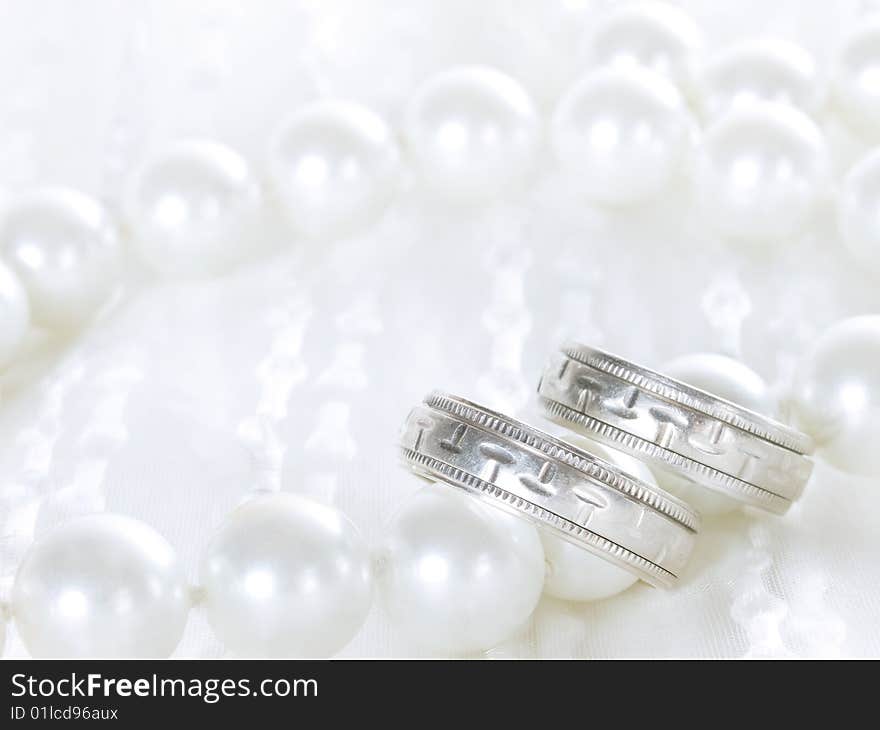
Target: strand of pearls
{"x":282,"y":576}
{"x":287,"y":576}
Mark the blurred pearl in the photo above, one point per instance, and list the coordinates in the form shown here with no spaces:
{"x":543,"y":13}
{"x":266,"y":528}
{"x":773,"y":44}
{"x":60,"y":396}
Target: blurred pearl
{"x":473,"y":132}
{"x":65,"y":250}
{"x":760,"y":170}
{"x":726,"y":378}
{"x":574,"y":574}
{"x":100,"y":586}
{"x":837,"y":394}
{"x":759,"y":70}
{"x":459,"y":575}
{"x":14,"y":314}
{"x":855,"y":77}
{"x":859,"y":211}
{"x":652,"y":35}
{"x":192,"y":208}
{"x":286,"y":577}
{"x":622,"y":134}
{"x":333,"y":166}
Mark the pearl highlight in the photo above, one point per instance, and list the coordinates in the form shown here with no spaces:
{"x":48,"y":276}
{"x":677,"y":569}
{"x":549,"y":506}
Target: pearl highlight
{"x":622,"y":135}
{"x":193,"y":208}
{"x":458,"y":576}
{"x":836,"y":395}
{"x":286,"y":577}
{"x":333,"y":165}
{"x":100,"y":586}
{"x":760,"y":170}
{"x":64,"y":247}
{"x":473,"y":132}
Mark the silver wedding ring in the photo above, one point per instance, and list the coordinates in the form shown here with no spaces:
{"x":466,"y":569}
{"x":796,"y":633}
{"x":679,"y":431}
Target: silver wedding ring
{"x":579,"y":496}
{"x":670,"y":424}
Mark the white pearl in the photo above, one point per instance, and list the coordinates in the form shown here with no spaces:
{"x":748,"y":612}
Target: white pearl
{"x":726,"y":378}
{"x":458,"y":575}
{"x":652,"y":35}
{"x":333,"y":166}
{"x":763,"y":69}
{"x":473,"y":132}
{"x":837,"y":394}
{"x":14,"y":314}
{"x":286,"y":577}
{"x":575,"y":574}
{"x":622,"y":134}
{"x":760,"y":170}
{"x":855,"y":77}
{"x":192,"y":208}
{"x":65,"y":249}
{"x":859,"y":211}
{"x":101,"y":586}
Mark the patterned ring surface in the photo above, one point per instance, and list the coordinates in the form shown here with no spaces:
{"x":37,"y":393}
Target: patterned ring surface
{"x":584,"y":499}
{"x":701,"y":437}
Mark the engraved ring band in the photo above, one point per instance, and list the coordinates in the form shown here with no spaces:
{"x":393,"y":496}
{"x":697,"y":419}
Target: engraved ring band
{"x":577,"y":495}
{"x":670,"y":424}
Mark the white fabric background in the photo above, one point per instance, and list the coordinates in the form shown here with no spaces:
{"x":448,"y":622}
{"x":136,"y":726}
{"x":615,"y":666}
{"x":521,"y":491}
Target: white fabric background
{"x":296,"y":372}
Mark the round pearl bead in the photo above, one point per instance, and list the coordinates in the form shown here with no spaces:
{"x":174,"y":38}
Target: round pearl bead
{"x":759,"y":171}
{"x":101,"y":586}
{"x":859,"y":211}
{"x":623,"y":134}
{"x":855,"y":77}
{"x":333,"y":166}
{"x":286,"y":577}
{"x":837,"y":394}
{"x":726,"y":378}
{"x":759,"y":70}
{"x":653,"y":35}
{"x":575,"y":574}
{"x":65,"y":250}
{"x":459,"y":576}
{"x":192,"y":208}
{"x":14,"y":314}
{"x":473,"y":132}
